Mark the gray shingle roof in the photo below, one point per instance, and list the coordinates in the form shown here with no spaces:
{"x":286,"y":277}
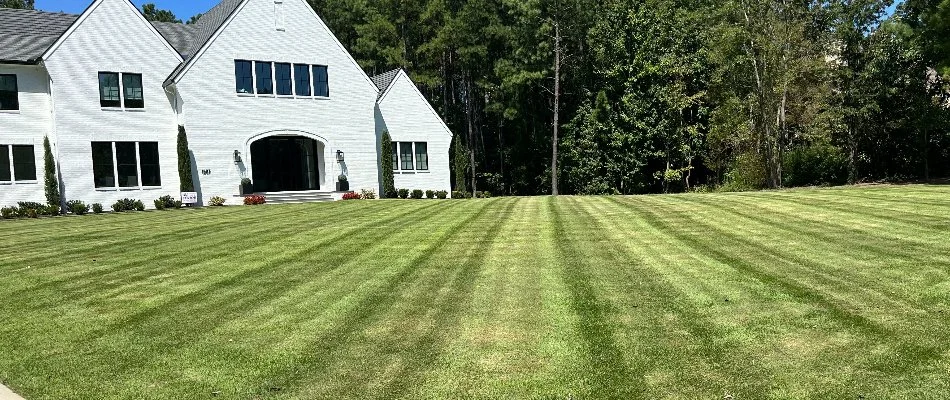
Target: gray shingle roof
{"x":383,"y":80}
{"x":180,"y":36}
{"x":207,"y":25}
{"x":26,"y":34}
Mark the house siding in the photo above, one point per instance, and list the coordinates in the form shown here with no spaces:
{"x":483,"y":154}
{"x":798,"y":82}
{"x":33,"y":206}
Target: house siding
{"x":111,"y":39}
{"x":408,"y":117}
{"x":219,"y":121}
{"x":28,"y":126}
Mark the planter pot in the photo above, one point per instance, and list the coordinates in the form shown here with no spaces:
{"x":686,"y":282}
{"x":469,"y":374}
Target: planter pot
{"x":247,"y":189}
{"x":343,"y":186}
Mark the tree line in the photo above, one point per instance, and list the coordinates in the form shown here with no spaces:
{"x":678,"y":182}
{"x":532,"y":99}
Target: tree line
{"x":623,"y":97}
{"x":615,"y":96}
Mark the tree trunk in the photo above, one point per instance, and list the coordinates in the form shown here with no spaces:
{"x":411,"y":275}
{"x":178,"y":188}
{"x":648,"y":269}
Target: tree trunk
{"x":557,"y":106}
{"x":471,"y":130}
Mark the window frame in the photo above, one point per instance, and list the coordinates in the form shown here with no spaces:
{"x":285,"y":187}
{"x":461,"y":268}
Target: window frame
{"x":13,"y":168}
{"x":314,"y":81}
{"x":118,"y":91}
{"x":135,"y":103}
{"x":113,"y":162}
{"x":6,"y":165}
{"x":415,"y":152}
{"x":258,"y":77}
{"x":290,"y":79}
{"x":250,"y":77}
{"x":16,"y":94}
{"x":298,"y":85}
{"x":396,"y":162}
{"x":403,"y":161}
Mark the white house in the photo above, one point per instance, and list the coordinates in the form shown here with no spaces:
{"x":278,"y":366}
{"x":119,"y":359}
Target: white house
{"x":262,"y":88}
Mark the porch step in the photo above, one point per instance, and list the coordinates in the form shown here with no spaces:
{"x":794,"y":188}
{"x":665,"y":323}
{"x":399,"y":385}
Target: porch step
{"x":296,"y":197}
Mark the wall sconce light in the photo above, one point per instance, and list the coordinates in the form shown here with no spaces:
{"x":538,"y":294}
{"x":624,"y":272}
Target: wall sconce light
{"x":237,"y":157}
{"x":339,"y":156}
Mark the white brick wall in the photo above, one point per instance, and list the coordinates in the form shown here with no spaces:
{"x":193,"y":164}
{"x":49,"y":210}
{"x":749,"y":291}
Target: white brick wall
{"x":220,"y":121}
{"x":408,"y":117}
{"x":27,"y":126}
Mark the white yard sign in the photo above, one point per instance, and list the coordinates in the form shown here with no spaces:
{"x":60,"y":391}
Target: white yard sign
{"x":189,"y":197}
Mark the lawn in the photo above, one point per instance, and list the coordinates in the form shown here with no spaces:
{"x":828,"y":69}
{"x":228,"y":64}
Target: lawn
{"x":831,"y":293}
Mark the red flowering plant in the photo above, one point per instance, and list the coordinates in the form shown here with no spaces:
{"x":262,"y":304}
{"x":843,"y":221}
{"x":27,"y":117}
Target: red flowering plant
{"x":351,"y":196}
{"x":254,"y":200}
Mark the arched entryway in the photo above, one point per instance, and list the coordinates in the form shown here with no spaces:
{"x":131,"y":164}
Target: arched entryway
{"x":286,"y":163}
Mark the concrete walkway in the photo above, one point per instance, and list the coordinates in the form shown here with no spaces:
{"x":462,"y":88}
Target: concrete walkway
{"x":7,"y":394}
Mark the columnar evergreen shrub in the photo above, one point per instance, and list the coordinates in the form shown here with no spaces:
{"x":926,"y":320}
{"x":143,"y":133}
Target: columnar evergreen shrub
{"x":184,"y":161}
{"x":389,"y":184}
{"x":460,"y":164}
{"x":49,"y":176}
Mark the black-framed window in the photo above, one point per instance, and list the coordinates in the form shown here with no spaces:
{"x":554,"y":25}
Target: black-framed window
{"x":148,"y":159}
{"x":422,"y":156}
{"x":103,"y":169}
{"x":395,"y":156}
{"x":109,"y":89}
{"x":321,"y":85}
{"x":264,"y":81}
{"x":24,"y":163}
{"x":132,"y":87}
{"x":126,"y":164}
{"x":302,"y":79}
{"x":243,"y":76}
{"x":9,"y":93}
{"x":285,"y":85}
{"x":5,"y":173}
{"x":405,"y":155}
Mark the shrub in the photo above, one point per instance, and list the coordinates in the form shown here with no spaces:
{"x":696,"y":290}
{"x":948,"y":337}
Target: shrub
{"x":351,"y":196}
{"x":78,"y":208}
{"x":217,"y":201}
{"x":49,"y":176}
{"x":342,"y":178}
{"x":430,"y":194}
{"x":139,"y":205}
{"x":819,"y":164}
{"x":441,"y":194}
{"x":159,"y":204}
{"x":184,"y":161}
{"x":32,"y":213}
{"x":118,"y":207}
{"x":461,"y":195}
{"x":20,"y":212}
{"x":368,"y":194}
{"x":389,"y":186}
{"x":403,"y":193}
{"x":178,"y":204}
{"x":49,"y":211}
{"x":97,"y":208}
{"x":417,"y":194}
{"x":8,"y":212}
{"x":128,"y":205}
{"x":483,"y":195}
{"x":167,"y":202}
{"x":254,"y":200}
{"x":31,"y":205}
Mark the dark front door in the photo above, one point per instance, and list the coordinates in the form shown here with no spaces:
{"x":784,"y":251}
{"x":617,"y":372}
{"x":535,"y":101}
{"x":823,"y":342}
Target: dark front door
{"x":285,"y":164}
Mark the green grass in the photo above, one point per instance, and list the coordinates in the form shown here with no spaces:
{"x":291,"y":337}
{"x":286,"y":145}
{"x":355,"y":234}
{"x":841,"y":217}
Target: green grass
{"x":834,"y":293}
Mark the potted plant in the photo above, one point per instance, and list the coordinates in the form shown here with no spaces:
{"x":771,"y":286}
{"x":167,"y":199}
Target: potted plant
{"x":247,"y":187}
{"x":342,"y":184}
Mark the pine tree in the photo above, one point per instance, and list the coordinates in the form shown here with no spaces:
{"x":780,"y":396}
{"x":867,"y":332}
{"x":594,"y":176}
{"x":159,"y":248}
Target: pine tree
{"x":184,"y":162}
{"x":52,"y":183}
{"x":389,"y":184}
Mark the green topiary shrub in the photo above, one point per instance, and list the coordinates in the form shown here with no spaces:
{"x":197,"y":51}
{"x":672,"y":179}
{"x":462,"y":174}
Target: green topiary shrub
{"x":430,"y":194}
{"x":50,"y":177}
{"x":118,"y":207}
{"x":441,"y":194}
{"x":97,"y":208}
{"x":178,"y":204}
{"x":403,"y":193}
{"x":184,"y":161}
{"x":159,"y":204}
{"x":139,"y":205}
{"x":417,"y":194}
{"x":386,"y":155}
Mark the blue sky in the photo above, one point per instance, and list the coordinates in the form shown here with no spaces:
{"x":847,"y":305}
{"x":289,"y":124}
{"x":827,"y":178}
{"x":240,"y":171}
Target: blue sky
{"x":183,"y":9}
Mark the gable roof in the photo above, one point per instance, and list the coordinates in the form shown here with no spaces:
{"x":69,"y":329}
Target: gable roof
{"x":26,"y":34}
{"x":392,"y":77}
{"x":384,"y":80}
{"x":209,"y":24}
{"x":180,"y":36}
